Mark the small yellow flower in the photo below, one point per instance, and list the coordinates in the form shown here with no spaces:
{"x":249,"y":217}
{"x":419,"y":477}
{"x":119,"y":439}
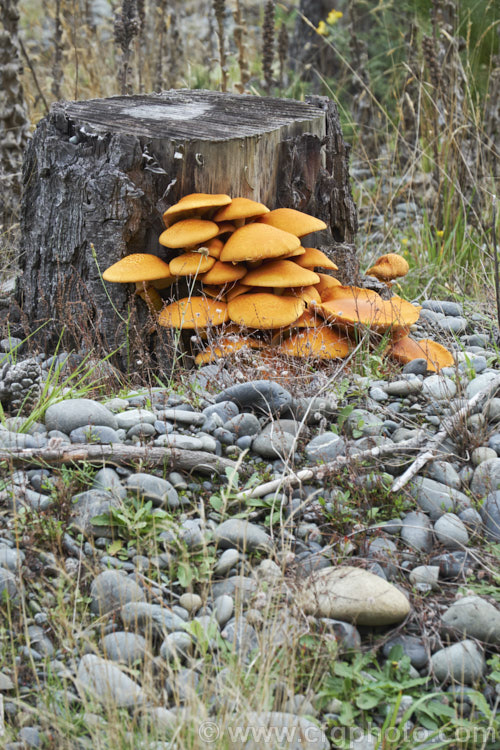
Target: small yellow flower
{"x":322,"y":29}
{"x":440,"y":232}
{"x":404,"y":240}
{"x":333,"y":17}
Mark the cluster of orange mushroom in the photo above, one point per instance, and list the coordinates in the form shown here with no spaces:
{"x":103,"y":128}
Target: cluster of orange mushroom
{"x":260,"y":287}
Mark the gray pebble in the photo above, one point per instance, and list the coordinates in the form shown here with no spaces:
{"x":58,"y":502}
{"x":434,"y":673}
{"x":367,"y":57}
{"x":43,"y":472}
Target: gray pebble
{"x":451,"y":532}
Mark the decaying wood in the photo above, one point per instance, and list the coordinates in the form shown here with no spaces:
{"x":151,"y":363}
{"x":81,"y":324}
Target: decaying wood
{"x":98,"y":174}
{"x":169,"y":458}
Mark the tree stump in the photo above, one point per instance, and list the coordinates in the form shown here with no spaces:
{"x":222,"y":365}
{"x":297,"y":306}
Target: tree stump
{"x":98,"y":175}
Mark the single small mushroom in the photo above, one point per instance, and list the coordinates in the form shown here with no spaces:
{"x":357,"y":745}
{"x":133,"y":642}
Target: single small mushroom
{"x":406,"y":349}
{"x":295,"y":222}
{"x":257,"y":242}
{"x":188,"y":232}
{"x":194,"y":205}
{"x":194,"y":312}
{"x":314,"y":258}
{"x":389,"y":267}
{"x":263,"y":310}
{"x":143,"y":270}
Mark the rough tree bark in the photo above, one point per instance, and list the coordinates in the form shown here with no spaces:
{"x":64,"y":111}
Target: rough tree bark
{"x":98,"y":175}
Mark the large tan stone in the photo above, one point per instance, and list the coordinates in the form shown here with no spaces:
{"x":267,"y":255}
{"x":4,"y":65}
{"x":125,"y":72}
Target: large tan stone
{"x":354,"y":595}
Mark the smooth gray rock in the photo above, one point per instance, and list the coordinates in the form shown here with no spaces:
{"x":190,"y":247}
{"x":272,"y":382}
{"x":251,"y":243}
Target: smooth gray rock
{"x":111,"y":590}
{"x":490,"y":513}
{"x":425,"y":574}
{"x":86,"y":506}
{"x":438,"y":388}
{"x":228,"y":559}
{"x":39,"y":640}
{"x":417,"y":531}
{"x":11,"y":558}
{"x":472,"y":520}
{"x":436,"y":498}
{"x":481,"y":454}
{"x":403,"y":388}
{"x":107,"y":684}
{"x":150,"y":618}
{"x":473,"y":617}
{"x":486,"y":477}
{"x":245,"y":536}
{"x":241,"y":636}
{"x":479,"y":383}
{"x":240,"y":588}
{"x":16,"y":441}
{"x":223,"y":609}
{"x":445,"y":473}
{"x":67,"y":415}
{"x":354,"y":595}
{"x":326,"y":447}
{"x":124,"y":647}
{"x":364,"y":422}
{"x":243,"y":424}
{"x":443,"y":306}
{"x":150,"y":487}
{"x":127,"y":419}
{"x":277,"y":444}
{"x":451,"y":532}
{"x":226,"y":410}
{"x":462,"y":662}
{"x":177,"y":645}
{"x":183,"y":442}
{"x":94,"y":434}
{"x":259,"y":396}
{"x":412,"y":646}
{"x":107,"y":480}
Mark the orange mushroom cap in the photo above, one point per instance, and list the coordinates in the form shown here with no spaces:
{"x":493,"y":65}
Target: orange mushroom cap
{"x":257,"y":241}
{"x":355,"y":305}
{"x":322,"y":343}
{"x":195,"y":204}
{"x":240,"y":208}
{"x":137,"y":267}
{"x":407,"y":349}
{"x":188,"y":232}
{"x":295,"y":222}
{"x":223,"y":273}
{"x":389,"y":267}
{"x":314,"y":258}
{"x":264,"y":310}
{"x":190,"y":264}
{"x":280,"y":273}
{"x":194,"y":312}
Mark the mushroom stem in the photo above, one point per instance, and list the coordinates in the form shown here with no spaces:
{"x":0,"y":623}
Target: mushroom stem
{"x":148,"y":293}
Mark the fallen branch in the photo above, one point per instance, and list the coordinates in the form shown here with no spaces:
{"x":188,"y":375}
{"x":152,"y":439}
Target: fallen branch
{"x":322,"y":470}
{"x":169,"y":458}
{"x":449,"y":426}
